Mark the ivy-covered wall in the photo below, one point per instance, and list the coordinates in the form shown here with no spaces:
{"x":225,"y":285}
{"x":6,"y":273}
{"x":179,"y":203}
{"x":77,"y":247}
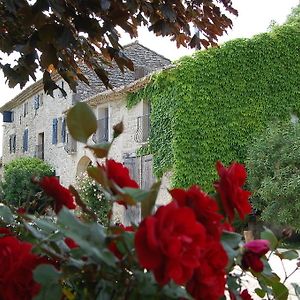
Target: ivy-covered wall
{"x":211,"y":104}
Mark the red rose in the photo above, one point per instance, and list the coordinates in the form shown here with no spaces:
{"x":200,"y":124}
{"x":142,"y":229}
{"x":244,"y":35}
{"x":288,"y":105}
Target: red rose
{"x":244,"y":295}
{"x":170,"y":243}
{"x":254,"y":250}
{"x":61,"y":195}
{"x":228,"y":227}
{"x":204,"y":207}
{"x":16,"y":266}
{"x":5,"y":232}
{"x":119,"y":174}
{"x":71,"y":243}
{"x":208,"y":281}
{"x":21,"y":211}
{"x":230,"y":189}
{"x":112,"y":246}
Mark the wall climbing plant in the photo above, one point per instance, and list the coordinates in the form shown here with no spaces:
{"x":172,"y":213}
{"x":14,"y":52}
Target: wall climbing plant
{"x":210,"y":105}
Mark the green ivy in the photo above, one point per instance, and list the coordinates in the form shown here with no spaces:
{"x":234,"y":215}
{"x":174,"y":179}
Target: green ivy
{"x":210,"y":105}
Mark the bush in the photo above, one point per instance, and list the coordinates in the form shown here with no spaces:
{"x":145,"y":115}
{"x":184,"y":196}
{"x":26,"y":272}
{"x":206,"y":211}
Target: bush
{"x":90,"y":192}
{"x":273,"y":165}
{"x":18,"y":187}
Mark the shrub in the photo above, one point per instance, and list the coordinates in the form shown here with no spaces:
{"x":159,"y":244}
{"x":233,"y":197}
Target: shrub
{"x":90,"y":192}
{"x":18,"y":187}
{"x":273,"y":165}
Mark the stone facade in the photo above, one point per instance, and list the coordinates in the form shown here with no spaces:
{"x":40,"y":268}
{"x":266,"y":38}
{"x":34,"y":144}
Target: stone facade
{"x":38,"y":120}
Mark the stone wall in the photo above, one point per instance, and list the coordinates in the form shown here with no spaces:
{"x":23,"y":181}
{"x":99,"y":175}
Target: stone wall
{"x":39,"y":121}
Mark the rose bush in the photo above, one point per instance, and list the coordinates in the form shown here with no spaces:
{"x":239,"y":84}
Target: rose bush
{"x":17,"y":263}
{"x":185,"y":249}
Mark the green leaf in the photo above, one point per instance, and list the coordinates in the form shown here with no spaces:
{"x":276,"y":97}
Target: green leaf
{"x":280,"y":291}
{"x":118,"y":129}
{"x":289,"y":254}
{"x":90,"y":237}
{"x":81,"y":122}
{"x":100,"y":150}
{"x":230,"y":242}
{"x":259,"y":292}
{"x":232,"y":239}
{"x":137,"y":195}
{"x":98,"y":175}
{"x":6,"y":214}
{"x":148,"y":203}
{"x":270,"y":236}
{"x":175,"y":291}
{"x":49,"y":278}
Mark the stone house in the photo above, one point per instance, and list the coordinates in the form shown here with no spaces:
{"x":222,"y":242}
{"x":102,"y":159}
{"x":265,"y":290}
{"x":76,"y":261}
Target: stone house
{"x":35,"y":125}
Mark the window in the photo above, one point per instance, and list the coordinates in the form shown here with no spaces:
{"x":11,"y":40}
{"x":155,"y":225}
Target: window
{"x":7,"y":116}
{"x":61,"y":130}
{"x":25,"y":109}
{"x":12,"y":143}
{"x":102,"y":134}
{"x":25,"y":140}
{"x":54,"y":131}
{"x":37,"y":101}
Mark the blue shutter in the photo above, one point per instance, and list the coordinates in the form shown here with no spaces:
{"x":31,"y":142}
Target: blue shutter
{"x":14,"y":143}
{"x":25,"y":140}
{"x":63,"y":130}
{"x":7,"y":116}
{"x":54,"y":131}
{"x":36,"y":102}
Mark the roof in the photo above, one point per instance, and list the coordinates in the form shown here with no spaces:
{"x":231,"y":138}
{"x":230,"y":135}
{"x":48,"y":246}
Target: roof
{"x":123,"y":90}
{"x":115,"y":77}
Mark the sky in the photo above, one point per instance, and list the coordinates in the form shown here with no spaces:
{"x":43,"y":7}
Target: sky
{"x":254,"y":17}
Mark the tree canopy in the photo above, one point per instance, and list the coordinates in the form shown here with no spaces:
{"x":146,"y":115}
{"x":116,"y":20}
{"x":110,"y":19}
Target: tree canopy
{"x":58,"y":36}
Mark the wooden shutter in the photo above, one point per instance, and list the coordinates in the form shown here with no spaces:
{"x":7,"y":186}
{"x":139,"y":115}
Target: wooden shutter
{"x":25,"y":140}
{"x":54,"y":131}
{"x":132,"y":164}
{"x":10,"y":144}
{"x":132,"y":213}
{"x":14,"y":143}
{"x":63,"y":130}
{"x":148,"y":177}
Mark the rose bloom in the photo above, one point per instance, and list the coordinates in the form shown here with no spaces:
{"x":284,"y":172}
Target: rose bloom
{"x":5,"y":232}
{"x":61,"y":195}
{"x":244,"y":295}
{"x":119,"y":174}
{"x":230,"y":190}
{"x":170,"y":243}
{"x":16,"y":266}
{"x":208,"y":281}
{"x":205,"y":208}
{"x":254,"y":250}
{"x":70,"y":243}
